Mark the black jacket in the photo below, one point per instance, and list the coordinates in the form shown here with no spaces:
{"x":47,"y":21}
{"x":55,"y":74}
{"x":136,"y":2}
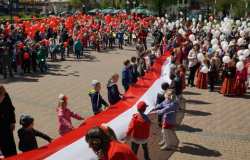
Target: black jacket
{"x":65,"y":37}
{"x":113,"y":93}
{"x":133,"y":71}
{"x":160,"y":97}
{"x":7,"y":116}
{"x":176,"y":84}
{"x":6,"y":44}
{"x":142,"y":67}
{"x":232,"y":70}
{"x":28,"y":140}
{"x":232,"y":51}
{"x":212,"y":70}
{"x":37,"y":38}
{"x":158,"y":37}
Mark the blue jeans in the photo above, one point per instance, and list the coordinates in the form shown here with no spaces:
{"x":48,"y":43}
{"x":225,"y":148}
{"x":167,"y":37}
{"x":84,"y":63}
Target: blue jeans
{"x":78,"y":54}
{"x":62,"y":54}
{"x":145,"y":44}
{"x":42,"y":66}
{"x":110,"y":42}
{"x":120,"y":42}
{"x":135,"y":147}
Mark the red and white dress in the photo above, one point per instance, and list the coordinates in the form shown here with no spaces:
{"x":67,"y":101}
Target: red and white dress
{"x":217,"y":65}
{"x":239,"y":86}
{"x":229,"y":80}
{"x":183,"y":81}
{"x":202,"y":80}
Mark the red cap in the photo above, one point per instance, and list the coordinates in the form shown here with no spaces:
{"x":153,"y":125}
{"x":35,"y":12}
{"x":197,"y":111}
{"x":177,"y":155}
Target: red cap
{"x":64,"y":97}
{"x":142,"y":105}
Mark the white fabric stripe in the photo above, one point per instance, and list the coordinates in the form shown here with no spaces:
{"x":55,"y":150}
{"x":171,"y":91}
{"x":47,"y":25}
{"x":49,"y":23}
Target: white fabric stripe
{"x":79,"y":150}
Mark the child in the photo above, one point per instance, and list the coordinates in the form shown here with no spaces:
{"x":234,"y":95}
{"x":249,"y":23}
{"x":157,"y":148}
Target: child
{"x":139,"y":129}
{"x":126,"y":75}
{"x":239,"y":86}
{"x":113,"y":92}
{"x":164,"y":46}
{"x":33,"y":54}
{"x":182,"y":70}
{"x":168,"y":108}
{"x":110,"y":39}
{"x":211,"y":74}
{"x":177,"y":86}
{"x":178,"y":54}
{"x":96,"y":98}
{"x":42,"y":58}
{"x":142,"y":65}
{"x":64,"y":114}
{"x":229,"y":80}
{"x":18,"y":59}
{"x":224,"y":68}
{"x":248,"y":74}
{"x":85,"y":39}
{"x":26,"y":61}
{"x":1,"y":154}
{"x":97,"y":44}
{"x":93,"y":39}
{"x":172,"y":68}
{"x":134,"y":74}
{"x":134,"y":38}
{"x":160,"y":98}
{"x":125,"y":38}
{"x":185,"y":54}
{"x":104,"y":41}
{"x":27,"y":134}
{"x":217,"y":65}
{"x":62,"y":49}
{"x":148,"y":60}
{"x":202,"y":77}
{"x":109,"y":132}
{"x":78,"y":48}
{"x":158,"y":51}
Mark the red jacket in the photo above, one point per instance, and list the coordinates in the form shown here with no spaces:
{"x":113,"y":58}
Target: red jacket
{"x":139,"y":127}
{"x":118,"y":151}
{"x":142,"y":35}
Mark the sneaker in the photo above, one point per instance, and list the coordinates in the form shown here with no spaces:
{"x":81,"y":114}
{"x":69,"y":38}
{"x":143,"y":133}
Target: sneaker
{"x":76,"y":59}
{"x":209,"y":90}
{"x":159,"y":124}
{"x":165,"y":147}
{"x":162,"y":143}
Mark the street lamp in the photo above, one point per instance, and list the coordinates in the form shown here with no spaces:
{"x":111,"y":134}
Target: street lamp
{"x":67,"y":7}
{"x":83,"y":9}
{"x":134,"y":4}
{"x":128,"y":2}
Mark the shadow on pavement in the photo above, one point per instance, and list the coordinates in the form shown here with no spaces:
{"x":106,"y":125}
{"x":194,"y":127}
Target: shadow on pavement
{"x":196,"y":113}
{"x":197,"y":102}
{"x":187,"y":128}
{"x":190,"y":93}
{"x":195,"y":149}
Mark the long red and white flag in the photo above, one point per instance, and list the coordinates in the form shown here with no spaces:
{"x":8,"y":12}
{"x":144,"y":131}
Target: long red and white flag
{"x":118,"y":117}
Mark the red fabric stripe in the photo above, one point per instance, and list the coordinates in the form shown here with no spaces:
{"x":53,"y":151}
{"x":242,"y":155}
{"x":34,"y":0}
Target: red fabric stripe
{"x":129,"y":99}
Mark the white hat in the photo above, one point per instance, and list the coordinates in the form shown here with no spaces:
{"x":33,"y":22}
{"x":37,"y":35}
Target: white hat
{"x":95,"y":83}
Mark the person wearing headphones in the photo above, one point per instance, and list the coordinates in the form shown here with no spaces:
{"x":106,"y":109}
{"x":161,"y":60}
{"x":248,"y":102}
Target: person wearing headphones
{"x":168,"y":108}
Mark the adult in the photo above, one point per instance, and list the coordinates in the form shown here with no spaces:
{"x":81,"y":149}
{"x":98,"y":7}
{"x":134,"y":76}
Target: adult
{"x":142,"y":35}
{"x":37,"y":37}
{"x":14,"y":37}
{"x":139,"y":49}
{"x":106,"y":148}
{"x":49,"y":34}
{"x":7,"y":123}
{"x":158,"y":36}
{"x":232,"y":49}
{"x":65,"y":38}
{"x":120,"y":37}
{"x":6,"y":55}
{"x":193,"y":63}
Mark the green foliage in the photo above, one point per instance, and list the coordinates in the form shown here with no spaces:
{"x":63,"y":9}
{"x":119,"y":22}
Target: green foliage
{"x":21,"y":15}
{"x":77,"y":4}
{"x":120,"y":3}
{"x":223,"y":6}
{"x":95,"y":5}
{"x":34,"y":14}
{"x":159,"y":4}
{"x":105,"y":4}
{"x":239,"y":8}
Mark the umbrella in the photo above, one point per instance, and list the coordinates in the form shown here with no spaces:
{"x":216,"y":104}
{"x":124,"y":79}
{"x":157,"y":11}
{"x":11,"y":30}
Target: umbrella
{"x":94,"y":11}
{"x":109,"y":10}
{"x":122,"y":10}
{"x":146,"y":11}
{"x":137,"y":9}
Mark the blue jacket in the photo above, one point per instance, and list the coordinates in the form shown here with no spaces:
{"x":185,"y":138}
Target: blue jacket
{"x":113,"y":93}
{"x":125,"y":77}
{"x":169,"y":110}
{"x":96,"y":100}
{"x":168,"y":47}
{"x":133,"y":70}
{"x":120,"y":34}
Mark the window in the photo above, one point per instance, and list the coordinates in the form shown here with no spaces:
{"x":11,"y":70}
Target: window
{"x":185,"y":1}
{"x":180,"y":1}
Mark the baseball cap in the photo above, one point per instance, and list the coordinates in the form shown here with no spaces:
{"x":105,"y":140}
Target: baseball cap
{"x":142,"y":105}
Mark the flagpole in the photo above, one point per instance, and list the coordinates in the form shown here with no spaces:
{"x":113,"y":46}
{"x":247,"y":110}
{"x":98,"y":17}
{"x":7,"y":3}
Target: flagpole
{"x":231,"y":9}
{"x":214,"y":7}
{"x":246,"y":10}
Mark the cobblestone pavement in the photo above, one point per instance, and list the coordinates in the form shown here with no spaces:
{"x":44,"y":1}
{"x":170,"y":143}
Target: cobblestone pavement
{"x":210,"y":127}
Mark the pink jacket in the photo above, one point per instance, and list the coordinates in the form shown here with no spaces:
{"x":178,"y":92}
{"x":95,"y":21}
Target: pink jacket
{"x":64,"y":124}
{"x":164,"y":47}
{"x":148,"y":63}
{"x":242,"y":74}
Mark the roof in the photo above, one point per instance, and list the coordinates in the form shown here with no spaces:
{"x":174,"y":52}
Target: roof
{"x":58,"y":1}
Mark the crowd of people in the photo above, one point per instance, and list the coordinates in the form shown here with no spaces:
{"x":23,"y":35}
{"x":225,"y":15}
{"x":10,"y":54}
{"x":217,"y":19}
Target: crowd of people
{"x":208,"y":51}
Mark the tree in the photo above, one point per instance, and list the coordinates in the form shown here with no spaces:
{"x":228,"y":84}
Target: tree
{"x":223,"y":6}
{"x":239,"y":8}
{"x":77,"y":4}
{"x":207,"y":4}
{"x":105,"y":4}
{"x":95,"y":5}
{"x":158,"y":4}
